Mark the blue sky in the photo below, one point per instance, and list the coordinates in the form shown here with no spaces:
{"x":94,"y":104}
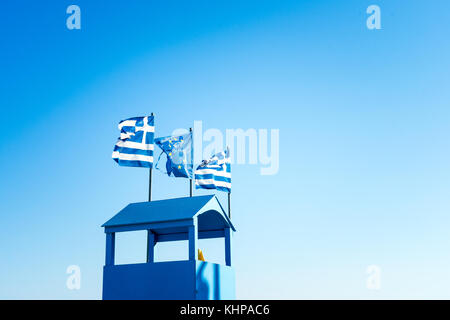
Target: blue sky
{"x":364,"y":138}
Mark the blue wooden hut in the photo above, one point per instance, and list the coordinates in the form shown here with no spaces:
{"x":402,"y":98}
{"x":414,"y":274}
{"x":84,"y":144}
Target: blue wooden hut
{"x":189,"y":218}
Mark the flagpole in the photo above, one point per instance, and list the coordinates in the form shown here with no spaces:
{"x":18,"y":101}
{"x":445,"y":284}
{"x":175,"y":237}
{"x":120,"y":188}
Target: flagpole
{"x":190,"y":180}
{"x":150,"y":185}
{"x":229,"y":204}
{"x":150,"y":179}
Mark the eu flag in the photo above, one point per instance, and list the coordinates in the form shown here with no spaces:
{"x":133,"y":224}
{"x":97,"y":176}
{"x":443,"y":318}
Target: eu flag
{"x":178,"y":150}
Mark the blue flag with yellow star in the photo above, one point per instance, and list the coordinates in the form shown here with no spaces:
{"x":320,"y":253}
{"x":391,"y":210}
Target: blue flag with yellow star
{"x":179,"y":153}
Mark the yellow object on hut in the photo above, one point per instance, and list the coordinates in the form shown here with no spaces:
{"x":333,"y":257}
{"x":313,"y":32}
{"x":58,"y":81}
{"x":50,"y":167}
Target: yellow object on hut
{"x":200,"y":255}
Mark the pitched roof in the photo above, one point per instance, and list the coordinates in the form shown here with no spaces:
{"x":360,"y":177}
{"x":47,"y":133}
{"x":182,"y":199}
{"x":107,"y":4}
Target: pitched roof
{"x":207,"y":208}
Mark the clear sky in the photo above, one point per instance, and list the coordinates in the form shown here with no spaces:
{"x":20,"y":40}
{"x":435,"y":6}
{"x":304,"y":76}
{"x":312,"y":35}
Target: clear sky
{"x":363,"y":115}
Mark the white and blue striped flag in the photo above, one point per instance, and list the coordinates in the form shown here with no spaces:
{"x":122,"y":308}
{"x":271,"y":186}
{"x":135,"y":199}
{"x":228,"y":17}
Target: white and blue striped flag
{"x":215,"y":173}
{"x":134,"y":148}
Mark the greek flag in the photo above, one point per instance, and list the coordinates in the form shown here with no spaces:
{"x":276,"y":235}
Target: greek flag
{"x":215,"y":173}
{"x":134,"y":148}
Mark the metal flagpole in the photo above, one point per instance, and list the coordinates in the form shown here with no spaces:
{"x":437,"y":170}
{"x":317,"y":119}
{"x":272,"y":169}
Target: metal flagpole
{"x":190,"y":180}
{"x":150,"y":235}
{"x":229,"y":204}
{"x":150,"y":178}
{"x":150,"y":185}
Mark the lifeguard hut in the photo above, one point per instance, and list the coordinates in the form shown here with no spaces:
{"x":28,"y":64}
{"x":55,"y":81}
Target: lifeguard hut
{"x":189,"y":218}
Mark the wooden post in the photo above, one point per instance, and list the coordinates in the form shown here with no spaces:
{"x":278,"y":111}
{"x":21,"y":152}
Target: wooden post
{"x":193,"y":244}
{"x":150,"y":246}
{"x":227,"y":246}
{"x":110,"y":248}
